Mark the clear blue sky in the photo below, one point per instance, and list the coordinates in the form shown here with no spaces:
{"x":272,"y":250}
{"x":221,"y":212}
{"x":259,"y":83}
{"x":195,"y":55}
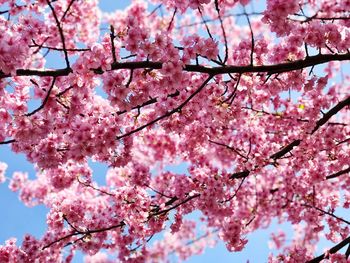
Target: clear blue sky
{"x":16,"y":219}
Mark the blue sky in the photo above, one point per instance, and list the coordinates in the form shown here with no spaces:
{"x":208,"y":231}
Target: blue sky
{"x":17,"y":219}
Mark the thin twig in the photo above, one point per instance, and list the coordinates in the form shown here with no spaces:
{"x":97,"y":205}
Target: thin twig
{"x":130,"y":78}
{"x":327,"y":213}
{"x":239,"y":187}
{"x":67,"y":10}
{"x":167,"y":114}
{"x":154,"y":10}
{"x":44,"y":101}
{"x":252,"y":38}
{"x":217,"y":8}
{"x":205,"y":24}
{"x":60,"y":30}
{"x":230,"y":148}
{"x":172,"y":19}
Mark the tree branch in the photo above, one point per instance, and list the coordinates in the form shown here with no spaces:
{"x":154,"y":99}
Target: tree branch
{"x":44,"y":101}
{"x":347,"y":170}
{"x":60,"y":30}
{"x":330,"y":113}
{"x":319,"y":123}
{"x":167,"y":114}
{"x":269,"y":69}
{"x":333,"y":250}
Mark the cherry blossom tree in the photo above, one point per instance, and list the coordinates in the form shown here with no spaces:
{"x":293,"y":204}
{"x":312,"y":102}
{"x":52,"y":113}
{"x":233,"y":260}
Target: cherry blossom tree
{"x":255,"y":103}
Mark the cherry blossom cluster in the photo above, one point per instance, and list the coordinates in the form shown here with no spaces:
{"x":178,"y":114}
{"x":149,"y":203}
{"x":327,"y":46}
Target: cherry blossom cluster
{"x":12,"y":55}
{"x":257,"y":112}
{"x":183,"y":5}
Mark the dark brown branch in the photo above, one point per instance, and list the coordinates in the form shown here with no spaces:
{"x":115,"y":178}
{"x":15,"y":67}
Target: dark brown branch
{"x":137,"y":247}
{"x":319,"y":123}
{"x":129,"y":56}
{"x":239,"y":187}
{"x":331,"y":113}
{"x":333,"y":250}
{"x":94,"y":188}
{"x":44,"y":101}
{"x":316,"y":17}
{"x":205,"y":24}
{"x":67,"y":10}
{"x":165,"y":211}
{"x":232,"y":96}
{"x":167,"y":114}
{"x":278,"y":115}
{"x":84,"y":233}
{"x":64,"y":91}
{"x":285,"y":150}
{"x":130,"y":78}
{"x":217,"y":8}
{"x":37,"y":72}
{"x":343,"y":141}
{"x":61,"y":239}
{"x":60,"y":30}
{"x":69,"y":223}
{"x":149,"y":102}
{"x":327,"y":213}
{"x":160,"y":193}
{"x":112,"y":36}
{"x":8,"y":141}
{"x":36,"y":45}
{"x":238,"y":175}
{"x":345,"y":171}
{"x":252,"y":39}
{"x":172,"y":19}
{"x":230,"y":148}
{"x":154,"y":10}
{"x":288,"y":148}
{"x":269,"y":69}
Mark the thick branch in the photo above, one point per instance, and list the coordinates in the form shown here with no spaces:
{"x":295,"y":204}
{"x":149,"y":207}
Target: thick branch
{"x":67,"y":10}
{"x":347,"y":170}
{"x":330,"y":113}
{"x":269,"y":69}
{"x":319,"y":123}
{"x":285,"y":150}
{"x":333,"y":250}
{"x":288,"y":148}
{"x":8,"y":141}
{"x":238,"y":175}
